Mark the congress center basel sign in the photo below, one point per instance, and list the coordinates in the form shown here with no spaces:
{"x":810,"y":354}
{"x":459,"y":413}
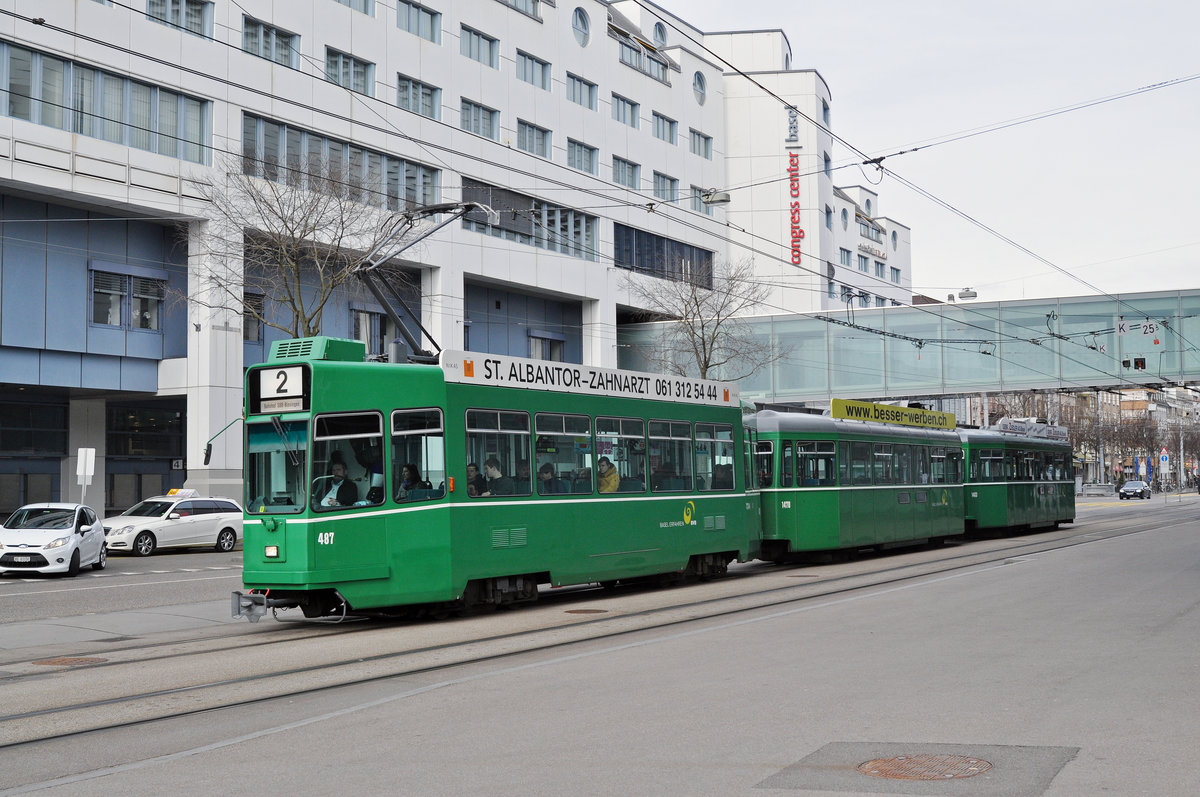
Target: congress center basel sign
{"x":477,"y":368}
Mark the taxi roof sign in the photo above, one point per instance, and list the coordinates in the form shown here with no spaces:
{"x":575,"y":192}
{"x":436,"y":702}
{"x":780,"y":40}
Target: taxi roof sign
{"x":182,"y":492}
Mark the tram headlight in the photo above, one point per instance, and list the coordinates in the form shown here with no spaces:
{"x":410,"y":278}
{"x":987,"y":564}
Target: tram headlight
{"x":271,"y":552}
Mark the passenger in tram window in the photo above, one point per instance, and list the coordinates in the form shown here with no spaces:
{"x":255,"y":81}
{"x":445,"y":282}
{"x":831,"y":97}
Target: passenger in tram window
{"x":413,"y":480}
{"x":476,"y":484}
{"x":722,"y":478}
{"x":548,"y":481}
{"x":497,"y":482}
{"x":521,"y":479}
{"x":342,"y":491}
{"x":607,"y":477}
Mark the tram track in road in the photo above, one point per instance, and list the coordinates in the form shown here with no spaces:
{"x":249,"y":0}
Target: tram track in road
{"x":321,"y":657}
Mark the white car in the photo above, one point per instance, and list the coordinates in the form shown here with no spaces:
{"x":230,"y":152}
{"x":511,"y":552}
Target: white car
{"x":52,"y":538}
{"x":180,"y":519}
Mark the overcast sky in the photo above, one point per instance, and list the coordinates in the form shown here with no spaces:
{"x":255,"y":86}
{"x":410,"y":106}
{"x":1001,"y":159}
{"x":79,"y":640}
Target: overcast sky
{"x":1109,"y":193}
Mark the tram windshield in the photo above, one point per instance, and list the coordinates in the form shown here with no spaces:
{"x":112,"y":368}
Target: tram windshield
{"x":276,"y":457}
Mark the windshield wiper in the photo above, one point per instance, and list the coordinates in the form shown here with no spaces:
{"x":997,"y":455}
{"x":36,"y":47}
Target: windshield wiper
{"x":293,"y":454}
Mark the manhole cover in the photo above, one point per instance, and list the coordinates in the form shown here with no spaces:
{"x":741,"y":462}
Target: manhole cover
{"x":70,"y":661}
{"x":587,"y":611}
{"x":924,"y":766}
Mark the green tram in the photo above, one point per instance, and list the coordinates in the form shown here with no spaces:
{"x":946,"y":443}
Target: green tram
{"x":1020,"y":474}
{"x":476,"y":481}
{"x":829,"y":483}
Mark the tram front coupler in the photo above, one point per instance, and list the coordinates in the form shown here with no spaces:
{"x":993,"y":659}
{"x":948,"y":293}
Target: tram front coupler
{"x":253,"y":605}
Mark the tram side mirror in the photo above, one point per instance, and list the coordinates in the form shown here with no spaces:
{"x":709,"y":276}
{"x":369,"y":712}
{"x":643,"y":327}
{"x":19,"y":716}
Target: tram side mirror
{"x":207,"y":453}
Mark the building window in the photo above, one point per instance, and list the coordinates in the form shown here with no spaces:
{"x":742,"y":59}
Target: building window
{"x":479,"y":47}
{"x":304,"y":159}
{"x":868,"y":230}
{"x":845,"y":219}
{"x":626,"y":173}
{"x":365,"y":6}
{"x":194,"y":16}
{"x":349,"y":72}
{"x":265,"y":41}
{"x":546,"y":346}
{"x":831,"y":288}
{"x":660,"y":35}
{"x":480,"y":120}
{"x":895,"y":275}
{"x":828,"y":217}
{"x":825,"y":112}
{"x":531,"y":221}
{"x":868,"y":207}
{"x":701,"y":144}
{"x":253,"y":310}
{"x":652,"y":254}
{"x":847,"y":295}
{"x":666,"y":188}
{"x":371,"y":329}
{"x":880,"y":301}
{"x":864,"y":263}
{"x":530,"y":7}
{"x":625,"y":111}
{"x":113,"y":293}
{"x":665,"y":128}
{"x":419,"y":20}
{"x":632,"y":54}
{"x":413,"y":95}
{"x":895,"y":240}
{"x":828,"y":165}
{"x":698,"y":203}
{"x":581,"y":92}
{"x":880,"y":270}
{"x":846,"y":257}
{"x":699,"y":87}
{"x":533,"y":70}
{"x":89,"y":102}
{"x":864,"y":299}
{"x":533,"y":139}
{"x":582,"y":157}
{"x":582,"y":25}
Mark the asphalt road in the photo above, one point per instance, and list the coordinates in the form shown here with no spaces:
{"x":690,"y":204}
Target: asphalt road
{"x":1067,"y":672}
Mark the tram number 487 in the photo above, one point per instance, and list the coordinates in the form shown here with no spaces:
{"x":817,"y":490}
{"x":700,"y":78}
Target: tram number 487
{"x":325,"y":538}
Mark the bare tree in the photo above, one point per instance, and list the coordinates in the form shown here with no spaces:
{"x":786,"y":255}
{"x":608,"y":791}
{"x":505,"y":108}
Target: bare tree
{"x":299,"y":235}
{"x":706,"y":331}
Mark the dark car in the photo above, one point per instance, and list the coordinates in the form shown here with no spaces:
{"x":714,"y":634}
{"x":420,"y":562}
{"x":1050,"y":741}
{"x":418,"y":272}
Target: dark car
{"x":1134,"y":489}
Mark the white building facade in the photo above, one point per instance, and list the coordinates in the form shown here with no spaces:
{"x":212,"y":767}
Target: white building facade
{"x":592,"y":128}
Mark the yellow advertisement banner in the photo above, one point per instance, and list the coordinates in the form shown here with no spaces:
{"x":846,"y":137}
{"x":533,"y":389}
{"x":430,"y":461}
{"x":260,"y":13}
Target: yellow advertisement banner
{"x":885,"y":413}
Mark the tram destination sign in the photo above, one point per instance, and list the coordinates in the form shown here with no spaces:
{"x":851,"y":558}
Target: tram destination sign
{"x":886,"y":413}
{"x":477,"y":368}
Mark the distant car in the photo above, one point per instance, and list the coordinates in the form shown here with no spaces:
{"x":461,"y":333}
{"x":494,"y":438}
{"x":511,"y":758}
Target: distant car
{"x":1134,"y":489}
{"x":52,"y":538}
{"x":180,"y":519}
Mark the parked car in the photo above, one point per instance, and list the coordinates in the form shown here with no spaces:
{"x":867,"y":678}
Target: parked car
{"x":179,"y":519}
{"x":1134,"y":489}
{"x":52,"y":538}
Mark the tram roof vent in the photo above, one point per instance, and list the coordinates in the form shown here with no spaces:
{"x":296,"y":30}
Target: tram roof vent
{"x":320,"y":348}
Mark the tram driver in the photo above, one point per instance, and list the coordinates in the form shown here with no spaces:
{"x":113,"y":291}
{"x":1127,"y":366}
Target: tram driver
{"x":342,"y":491}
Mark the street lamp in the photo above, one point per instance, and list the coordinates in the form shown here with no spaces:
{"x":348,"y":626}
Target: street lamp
{"x":967,"y":293}
{"x":714,"y":197}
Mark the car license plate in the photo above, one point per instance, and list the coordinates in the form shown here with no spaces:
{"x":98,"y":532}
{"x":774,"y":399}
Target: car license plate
{"x":22,"y":558}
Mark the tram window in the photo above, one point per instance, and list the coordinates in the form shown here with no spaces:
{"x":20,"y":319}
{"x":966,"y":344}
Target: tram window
{"x":785,"y":464}
{"x":860,"y":463}
{"x":276,"y":467}
{"x":882,"y":463}
{"x":498,"y":440}
{"x":904,"y":473}
{"x":714,"y":456}
{"x":623,"y":441}
{"x":764,"y":462}
{"x":748,"y":436}
{"x":814,"y":464}
{"x":347,"y":460}
{"x":920,"y":464}
{"x":843,"y":462}
{"x":937,"y":465}
{"x":562,"y":449}
{"x":1010,"y":466}
{"x":418,"y":442}
{"x":991,"y":465}
{"x":670,"y":456}
{"x":954,"y":466}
